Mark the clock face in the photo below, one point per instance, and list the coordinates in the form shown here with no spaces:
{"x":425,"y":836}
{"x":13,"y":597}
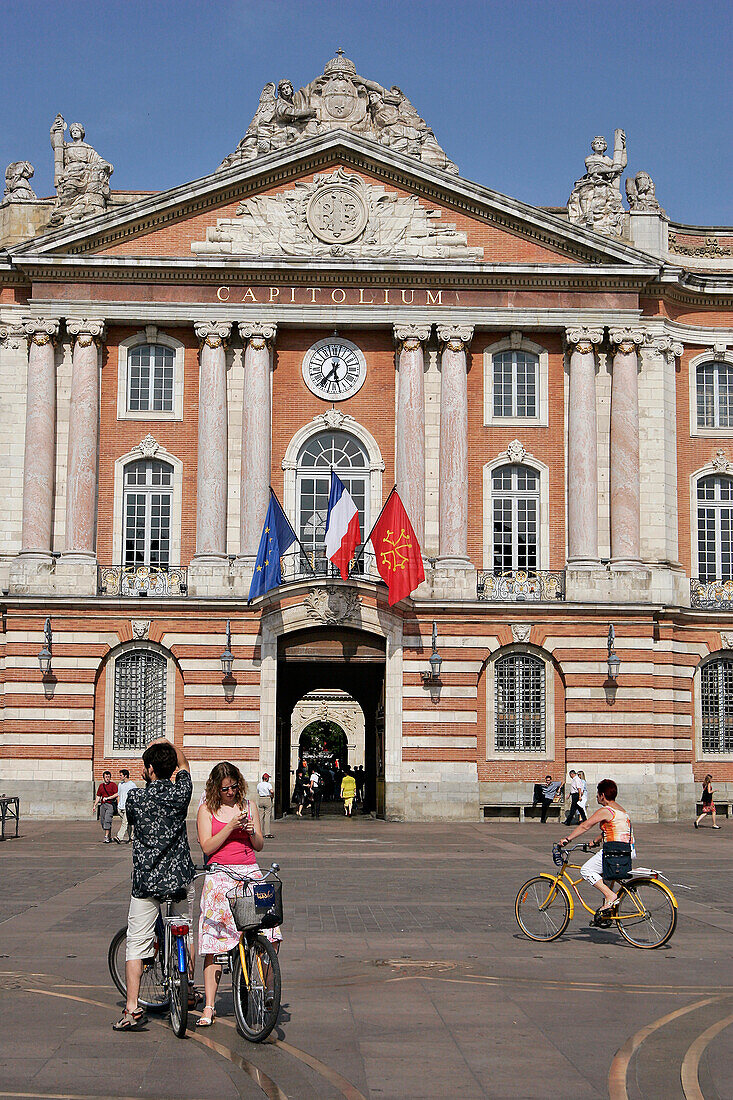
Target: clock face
{"x":334,"y":369}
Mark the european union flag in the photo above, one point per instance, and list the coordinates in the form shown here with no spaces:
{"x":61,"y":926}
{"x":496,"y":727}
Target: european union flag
{"x":277,"y":536}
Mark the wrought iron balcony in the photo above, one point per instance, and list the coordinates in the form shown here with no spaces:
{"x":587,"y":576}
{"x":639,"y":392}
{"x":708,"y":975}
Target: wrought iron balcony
{"x":519,"y":585}
{"x":296,"y":565}
{"x":712,"y":595}
{"x":141,"y":580}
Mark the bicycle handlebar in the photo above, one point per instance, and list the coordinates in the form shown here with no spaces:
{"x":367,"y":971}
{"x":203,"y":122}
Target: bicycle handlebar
{"x":273,"y":870}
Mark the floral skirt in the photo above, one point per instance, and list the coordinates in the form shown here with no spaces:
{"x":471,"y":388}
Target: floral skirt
{"x":217,"y":930}
{"x":709,"y":808}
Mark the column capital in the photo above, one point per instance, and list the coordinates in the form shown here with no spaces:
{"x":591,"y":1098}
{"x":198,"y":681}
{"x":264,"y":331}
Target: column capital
{"x":455,"y":337}
{"x":667,"y":346}
{"x":627,"y":340}
{"x":583,"y":340}
{"x":85,"y":332}
{"x":12,"y":333}
{"x":259,"y":334}
{"x":41,"y":330}
{"x":213,"y":334}
{"x":409,"y":336}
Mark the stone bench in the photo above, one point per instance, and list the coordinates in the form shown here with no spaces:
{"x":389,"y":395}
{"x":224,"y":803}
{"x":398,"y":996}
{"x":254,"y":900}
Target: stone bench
{"x":722,"y":809}
{"x":521,"y":811}
{"x":9,"y":812}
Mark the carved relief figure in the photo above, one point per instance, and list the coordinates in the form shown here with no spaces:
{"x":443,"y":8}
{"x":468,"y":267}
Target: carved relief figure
{"x":17,"y":187}
{"x":595,"y":202}
{"x":81,"y":176}
{"x":641,"y":193}
{"x":338,"y":99}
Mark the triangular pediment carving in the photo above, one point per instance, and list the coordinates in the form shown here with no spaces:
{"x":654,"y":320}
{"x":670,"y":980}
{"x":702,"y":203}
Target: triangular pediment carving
{"x":336,"y":214}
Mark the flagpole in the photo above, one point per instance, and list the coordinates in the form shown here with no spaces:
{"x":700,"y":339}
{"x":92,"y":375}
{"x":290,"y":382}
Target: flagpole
{"x":358,"y":557}
{"x":300,"y":544}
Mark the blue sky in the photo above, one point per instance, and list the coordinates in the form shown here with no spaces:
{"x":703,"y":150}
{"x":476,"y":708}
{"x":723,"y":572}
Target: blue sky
{"x":514,"y":91}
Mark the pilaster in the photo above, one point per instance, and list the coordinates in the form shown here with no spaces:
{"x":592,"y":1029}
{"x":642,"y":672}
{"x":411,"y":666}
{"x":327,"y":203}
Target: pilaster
{"x":582,"y":487}
{"x":410,"y":340}
{"x":454,"y":575}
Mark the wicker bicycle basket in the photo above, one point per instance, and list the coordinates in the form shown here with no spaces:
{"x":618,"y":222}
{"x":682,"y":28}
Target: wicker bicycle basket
{"x":256,"y":905}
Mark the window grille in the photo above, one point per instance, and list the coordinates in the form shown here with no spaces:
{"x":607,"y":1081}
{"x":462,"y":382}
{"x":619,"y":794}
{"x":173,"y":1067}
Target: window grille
{"x":716,"y":689}
{"x":515,"y":384}
{"x":520,"y":704}
{"x":516,"y":508}
{"x":140,"y":699}
{"x":715,"y":395}
{"x":324,"y":452}
{"x":150,"y":378}
{"x":147,"y":513}
{"x":715,"y":528}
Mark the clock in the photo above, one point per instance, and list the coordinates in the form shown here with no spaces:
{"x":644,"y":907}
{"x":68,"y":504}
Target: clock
{"x":334,"y":369}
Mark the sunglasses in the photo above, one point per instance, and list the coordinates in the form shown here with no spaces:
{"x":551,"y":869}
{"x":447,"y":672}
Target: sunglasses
{"x":225,"y":790}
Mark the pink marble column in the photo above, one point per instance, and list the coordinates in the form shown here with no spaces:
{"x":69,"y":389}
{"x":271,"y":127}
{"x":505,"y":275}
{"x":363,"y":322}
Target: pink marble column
{"x":454,"y":340}
{"x":40,"y":438}
{"x":212,"y":457}
{"x":582,"y":448}
{"x":410,"y":427}
{"x":258,"y":338}
{"x":83,"y":454}
{"x":625,"y":519}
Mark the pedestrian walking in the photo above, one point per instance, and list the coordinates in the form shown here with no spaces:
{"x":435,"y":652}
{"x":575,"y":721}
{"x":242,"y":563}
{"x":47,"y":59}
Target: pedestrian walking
{"x":708,"y":806}
{"x":125,"y":785}
{"x":360,"y":778}
{"x":105,"y":803}
{"x":265,"y":799}
{"x":348,"y":791}
{"x":576,"y":788}
{"x":316,"y":794}
{"x":583,"y":800}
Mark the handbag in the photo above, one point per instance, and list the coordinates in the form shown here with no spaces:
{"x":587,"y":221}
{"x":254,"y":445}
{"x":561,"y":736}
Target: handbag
{"x":616,"y":859}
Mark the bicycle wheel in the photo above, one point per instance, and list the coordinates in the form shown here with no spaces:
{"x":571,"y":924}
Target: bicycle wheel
{"x":178,"y":986}
{"x":256,"y":1007}
{"x":153,"y":993}
{"x":542,"y":909}
{"x":647,"y":915}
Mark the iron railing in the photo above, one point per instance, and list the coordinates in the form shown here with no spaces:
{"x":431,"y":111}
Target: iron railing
{"x":519,"y":585}
{"x":141,"y":580}
{"x":297,"y":565}
{"x":712,"y":595}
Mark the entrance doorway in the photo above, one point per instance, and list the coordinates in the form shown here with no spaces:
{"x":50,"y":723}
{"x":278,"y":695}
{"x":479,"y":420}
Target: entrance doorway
{"x":337,"y":677}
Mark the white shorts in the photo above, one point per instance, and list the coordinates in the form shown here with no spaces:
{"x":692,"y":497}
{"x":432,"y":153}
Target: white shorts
{"x":592,"y":869}
{"x":141,"y":918}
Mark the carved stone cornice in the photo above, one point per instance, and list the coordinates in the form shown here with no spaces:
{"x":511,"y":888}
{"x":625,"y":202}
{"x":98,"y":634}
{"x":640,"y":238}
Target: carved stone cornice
{"x":85,"y":332}
{"x":668,"y":347}
{"x":627,"y":340}
{"x":583,"y":340}
{"x":213,"y":334}
{"x":12,"y":334}
{"x":259,"y":334}
{"x":719,"y":351}
{"x":41,"y":330}
{"x":409,"y":337}
{"x":455,"y":337}
{"x":148,"y":447}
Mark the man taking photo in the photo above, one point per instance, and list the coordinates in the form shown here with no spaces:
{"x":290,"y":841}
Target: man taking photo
{"x":161,"y":861}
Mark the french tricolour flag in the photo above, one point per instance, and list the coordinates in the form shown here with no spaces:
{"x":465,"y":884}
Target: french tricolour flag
{"x":343,"y":533}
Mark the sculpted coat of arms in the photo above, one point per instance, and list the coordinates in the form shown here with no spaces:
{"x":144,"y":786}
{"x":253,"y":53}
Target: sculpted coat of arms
{"x":332,"y":605}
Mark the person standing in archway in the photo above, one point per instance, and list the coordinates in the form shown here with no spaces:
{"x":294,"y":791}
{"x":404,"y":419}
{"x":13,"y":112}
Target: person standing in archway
{"x":265,"y":799}
{"x":348,"y":791}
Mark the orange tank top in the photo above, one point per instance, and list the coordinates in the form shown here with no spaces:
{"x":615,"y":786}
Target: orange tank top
{"x":618,"y":828}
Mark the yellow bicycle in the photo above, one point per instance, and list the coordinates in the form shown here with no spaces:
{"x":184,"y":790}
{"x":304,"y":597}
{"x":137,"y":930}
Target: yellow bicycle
{"x":645,"y":912}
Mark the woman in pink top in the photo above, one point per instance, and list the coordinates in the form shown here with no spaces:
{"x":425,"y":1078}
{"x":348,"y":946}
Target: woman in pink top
{"x":229,"y":833}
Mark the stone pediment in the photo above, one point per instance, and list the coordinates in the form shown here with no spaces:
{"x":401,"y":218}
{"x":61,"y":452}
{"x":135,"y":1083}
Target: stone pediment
{"x":336,"y":214}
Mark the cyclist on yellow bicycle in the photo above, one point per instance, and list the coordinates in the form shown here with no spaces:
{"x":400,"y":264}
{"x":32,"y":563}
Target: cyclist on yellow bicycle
{"x":617,"y":837}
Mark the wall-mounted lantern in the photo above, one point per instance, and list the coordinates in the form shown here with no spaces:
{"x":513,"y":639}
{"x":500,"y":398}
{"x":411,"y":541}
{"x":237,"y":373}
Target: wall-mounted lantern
{"x":614,"y":661}
{"x":227,"y":657}
{"x":433,"y":677}
{"x":46,"y":655}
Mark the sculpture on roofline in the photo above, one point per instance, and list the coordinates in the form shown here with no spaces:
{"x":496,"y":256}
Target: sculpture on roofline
{"x":595,"y":202}
{"x":641,"y":193}
{"x":338,"y":99}
{"x":81,"y":176}
{"x":17,"y":187}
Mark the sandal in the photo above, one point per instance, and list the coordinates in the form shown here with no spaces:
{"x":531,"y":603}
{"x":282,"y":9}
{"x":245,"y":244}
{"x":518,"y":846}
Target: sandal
{"x":130,"y":1021}
{"x":195,"y":997}
{"x":206,"y":1021}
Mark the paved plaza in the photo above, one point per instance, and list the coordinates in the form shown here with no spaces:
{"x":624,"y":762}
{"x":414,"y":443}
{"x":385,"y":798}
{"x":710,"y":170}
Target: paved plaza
{"x":404,"y":975}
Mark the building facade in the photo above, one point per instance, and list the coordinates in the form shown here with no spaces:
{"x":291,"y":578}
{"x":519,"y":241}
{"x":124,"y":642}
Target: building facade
{"x":551,"y":390}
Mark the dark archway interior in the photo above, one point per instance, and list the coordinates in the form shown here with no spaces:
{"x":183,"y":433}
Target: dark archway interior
{"x":326,"y":659}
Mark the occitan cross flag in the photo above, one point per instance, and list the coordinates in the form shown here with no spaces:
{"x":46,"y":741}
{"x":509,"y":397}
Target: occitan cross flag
{"x":398,"y":554}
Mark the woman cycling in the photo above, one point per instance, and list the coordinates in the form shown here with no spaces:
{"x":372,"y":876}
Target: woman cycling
{"x":616,"y":830}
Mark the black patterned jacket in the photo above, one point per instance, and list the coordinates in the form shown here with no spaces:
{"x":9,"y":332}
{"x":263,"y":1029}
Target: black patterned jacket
{"x":161,"y":857}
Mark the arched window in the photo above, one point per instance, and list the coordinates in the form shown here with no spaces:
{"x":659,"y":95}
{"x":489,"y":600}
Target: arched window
{"x":150,"y":369}
{"x":140,"y":699}
{"x":716,"y":696}
{"x":515,"y":493}
{"x":323,"y":452}
{"x":147,"y":495}
{"x":516,"y":384}
{"x":715,"y":528}
{"x":714,"y":387}
{"x":519,"y":715}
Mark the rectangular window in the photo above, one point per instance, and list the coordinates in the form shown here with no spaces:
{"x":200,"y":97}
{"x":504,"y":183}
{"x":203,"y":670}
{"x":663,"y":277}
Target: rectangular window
{"x":520,"y":704}
{"x":515,"y":384}
{"x":716,"y":685}
{"x":150,"y":378}
{"x":140,"y":700}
